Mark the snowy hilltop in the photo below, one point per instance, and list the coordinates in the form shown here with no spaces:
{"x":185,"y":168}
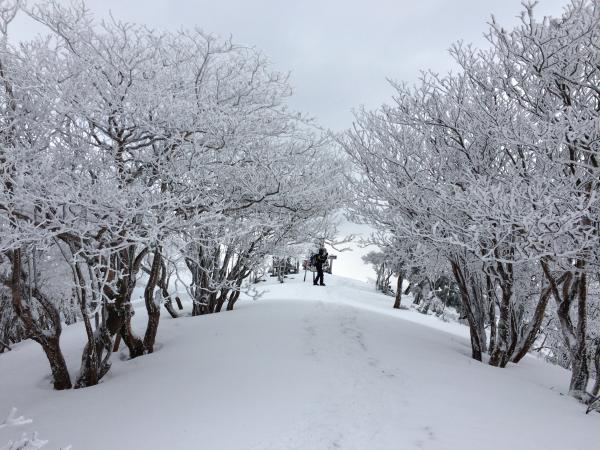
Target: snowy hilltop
{"x":162,"y":202}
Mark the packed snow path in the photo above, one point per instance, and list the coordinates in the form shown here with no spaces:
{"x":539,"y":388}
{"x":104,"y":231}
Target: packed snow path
{"x":304,"y":367}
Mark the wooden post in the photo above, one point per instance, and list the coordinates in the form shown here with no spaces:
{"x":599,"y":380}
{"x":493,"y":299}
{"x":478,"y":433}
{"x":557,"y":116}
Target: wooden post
{"x":331,"y":258}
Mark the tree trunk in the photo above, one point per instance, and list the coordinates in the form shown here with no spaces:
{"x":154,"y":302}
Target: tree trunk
{"x":58,"y":365}
{"x":478,"y":311}
{"x":499,"y":355}
{"x":464,"y":295}
{"x":88,"y":374}
{"x":179,"y":304}
{"x":506,"y":339}
{"x":398,"y":300}
{"x":575,"y":338}
{"x":596,"y":388}
{"x":221,"y":300}
{"x":580,"y":372}
{"x":124,"y":313}
{"x":169,"y":307}
{"x":50,"y":342}
{"x":119,"y":316}
{"x":152,"y":308}
{"x":534,"y":326}
{"x":133,"y":343}
{"x":93,"y":366}
{"x":163,"y":284}
{"x":4,"y":347}
{"x":514,"y":338}
{"x":233,"y":297}
{"x":491,"y":294}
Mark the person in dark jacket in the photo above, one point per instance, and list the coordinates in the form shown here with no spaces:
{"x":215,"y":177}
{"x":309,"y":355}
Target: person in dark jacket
{"x":320,"y":260}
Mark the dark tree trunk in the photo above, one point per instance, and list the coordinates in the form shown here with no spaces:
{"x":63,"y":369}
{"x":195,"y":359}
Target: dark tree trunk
{"x":580,"y":373}
{"x":221,"y":300}
{"x":170,"y":309}
{"x":596,"y":388}
{"x":50,"y":341}
{"x":491,"y":294}
{"x":575,"y":338}
{"x":151,"y":307}
{"x":58,"y":365}
{"x":417,"y":291}
{"x":212,"y":302}
{"x":93,"y":366}
{"x":3,"y":347}
{"x":514,"y":338}
{"x":499,"y":355}
{"x":478,"y":311}
{"x":133,"y":342}
{"x":473,"y":327}
{"x":506,"y":326}
{"x":233,"y":297}
{"x":398,"y":300}
{"x":88,"y":374}
{"x":163,"y":285}
{"x":534,"y":327}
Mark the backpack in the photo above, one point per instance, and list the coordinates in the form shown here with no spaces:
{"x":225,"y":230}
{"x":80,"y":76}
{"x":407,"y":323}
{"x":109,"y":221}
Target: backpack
{"x":313,"y":260}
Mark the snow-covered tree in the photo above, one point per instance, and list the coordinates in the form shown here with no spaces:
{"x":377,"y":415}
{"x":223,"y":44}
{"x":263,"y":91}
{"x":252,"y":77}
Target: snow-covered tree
{"x":494,"y":170}
{"x":127,"y":151}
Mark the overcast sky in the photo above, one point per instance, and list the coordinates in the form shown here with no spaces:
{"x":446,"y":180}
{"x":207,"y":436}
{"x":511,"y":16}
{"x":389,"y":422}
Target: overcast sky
{"x":338,"y":51}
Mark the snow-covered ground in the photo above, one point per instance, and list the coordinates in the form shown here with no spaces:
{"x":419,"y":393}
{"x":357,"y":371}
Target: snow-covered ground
{"x":303,"y":367}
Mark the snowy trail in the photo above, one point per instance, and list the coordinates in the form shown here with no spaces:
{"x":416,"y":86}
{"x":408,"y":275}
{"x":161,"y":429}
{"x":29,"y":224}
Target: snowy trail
{"x":303,"y":368}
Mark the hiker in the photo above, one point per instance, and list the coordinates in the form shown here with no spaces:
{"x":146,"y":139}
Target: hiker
{"x":320,"y":259}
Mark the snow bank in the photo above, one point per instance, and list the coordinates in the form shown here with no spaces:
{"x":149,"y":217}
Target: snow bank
{"x":304,"y":367}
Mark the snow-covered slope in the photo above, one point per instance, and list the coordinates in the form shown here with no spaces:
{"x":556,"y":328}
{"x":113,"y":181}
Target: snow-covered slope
{"x":304,"y":367}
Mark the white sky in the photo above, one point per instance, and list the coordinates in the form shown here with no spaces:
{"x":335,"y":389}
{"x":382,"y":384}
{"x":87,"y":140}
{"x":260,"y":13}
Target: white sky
{"x":339,"y":52}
